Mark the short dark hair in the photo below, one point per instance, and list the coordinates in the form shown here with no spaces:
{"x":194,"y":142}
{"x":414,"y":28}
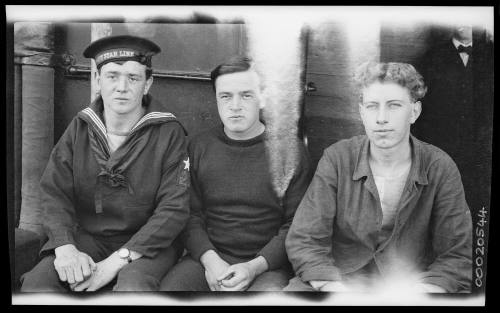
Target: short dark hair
{"x":149,"y":69}
{"x":403,"y":74}
{"x":235,"y":64}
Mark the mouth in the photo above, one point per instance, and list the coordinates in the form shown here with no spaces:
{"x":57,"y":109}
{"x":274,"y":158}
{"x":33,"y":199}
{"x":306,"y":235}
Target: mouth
{"x":121,"y":99}
{"x":236,"y":117}
{"x":383,"y":131}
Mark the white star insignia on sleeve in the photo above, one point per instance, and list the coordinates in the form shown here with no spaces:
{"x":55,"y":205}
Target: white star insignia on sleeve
{"x":186,"y":164}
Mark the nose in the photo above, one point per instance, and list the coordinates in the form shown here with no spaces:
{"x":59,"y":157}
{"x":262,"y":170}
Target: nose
{"x":381,"y":115}
{"x":235,"y":104}
{"x":122,"y":84}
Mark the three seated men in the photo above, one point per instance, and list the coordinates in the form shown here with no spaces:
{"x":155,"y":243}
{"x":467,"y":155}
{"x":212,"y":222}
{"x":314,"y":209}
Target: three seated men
{"x":123,"y":188}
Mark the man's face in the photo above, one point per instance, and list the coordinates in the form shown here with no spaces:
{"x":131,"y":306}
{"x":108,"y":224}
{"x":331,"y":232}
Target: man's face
{"x":238,"y":101}
{"x":122,"y":86}
{"x":387,"y":112}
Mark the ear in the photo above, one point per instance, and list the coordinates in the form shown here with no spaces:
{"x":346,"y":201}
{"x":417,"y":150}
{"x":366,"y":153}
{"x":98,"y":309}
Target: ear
{"x":149,"y":82}
{"x":360,"y":108}
{"x":97,"y":79}
{"x":415,"y":111}
{"x":262,"y":101}
{"x":261,"y":96}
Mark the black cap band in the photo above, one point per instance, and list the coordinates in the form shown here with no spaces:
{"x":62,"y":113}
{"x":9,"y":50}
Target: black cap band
{"x":121,"y":48}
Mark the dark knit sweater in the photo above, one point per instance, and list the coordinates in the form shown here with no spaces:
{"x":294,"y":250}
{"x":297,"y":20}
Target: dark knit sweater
{"x":234,"y":209}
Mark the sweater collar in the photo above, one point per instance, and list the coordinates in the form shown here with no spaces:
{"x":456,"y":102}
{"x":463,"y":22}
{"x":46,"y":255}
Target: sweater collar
{"x":239,"y":143}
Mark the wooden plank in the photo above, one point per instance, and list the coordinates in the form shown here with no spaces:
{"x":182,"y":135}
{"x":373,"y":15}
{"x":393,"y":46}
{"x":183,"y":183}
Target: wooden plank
{"x":73,"y":38}
{"x":323,"y":131}
{"x":191,"y":47}
{"x":37,"y":139}
{"x":332,"y":67}
{"x":335,"y":107}
{"x":330,"y":85}
{"x":192,"y":102}
{"x":18,"y":139}
{"x":403,"y":43}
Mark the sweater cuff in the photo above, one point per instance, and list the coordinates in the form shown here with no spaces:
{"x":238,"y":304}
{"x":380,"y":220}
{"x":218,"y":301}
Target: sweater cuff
{"x":274,"y":253}
{"x":331,"y":273}
{"x":197,"y":244}
{"x":57,"y":238}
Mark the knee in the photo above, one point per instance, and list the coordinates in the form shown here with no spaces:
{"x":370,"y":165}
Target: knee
{"x":267,"y":285}
{"x":187,"y":275}
{"x":270,"y":281}
{"x":42,"y":278}
{"x":135,"y":280}
{"x":174,"y":281}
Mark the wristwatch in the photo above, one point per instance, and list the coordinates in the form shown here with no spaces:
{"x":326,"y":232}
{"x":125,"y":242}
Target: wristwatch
{"x":124,"y":254}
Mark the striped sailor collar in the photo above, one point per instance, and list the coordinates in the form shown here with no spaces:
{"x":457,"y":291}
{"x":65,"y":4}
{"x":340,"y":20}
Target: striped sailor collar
{"x":93,"y":115}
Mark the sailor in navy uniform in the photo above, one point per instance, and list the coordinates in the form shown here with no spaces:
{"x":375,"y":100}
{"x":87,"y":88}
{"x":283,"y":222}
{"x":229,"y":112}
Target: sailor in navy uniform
{"x":115,"y":190}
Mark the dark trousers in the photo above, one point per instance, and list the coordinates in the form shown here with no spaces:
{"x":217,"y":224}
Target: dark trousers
{"x":142,"y":274}
{"x":189,"y":275}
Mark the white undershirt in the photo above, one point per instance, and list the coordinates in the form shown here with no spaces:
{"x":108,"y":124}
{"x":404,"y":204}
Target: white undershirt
{"x":390,"y":189}
{"x":114,"y":141}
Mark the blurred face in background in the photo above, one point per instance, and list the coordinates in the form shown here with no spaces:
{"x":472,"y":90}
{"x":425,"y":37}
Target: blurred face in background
{"x":239,"y":103}
{"x":463,"y":33}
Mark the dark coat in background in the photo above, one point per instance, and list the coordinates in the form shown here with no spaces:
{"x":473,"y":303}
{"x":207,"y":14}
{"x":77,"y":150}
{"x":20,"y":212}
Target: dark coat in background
{"x":457,"y":112}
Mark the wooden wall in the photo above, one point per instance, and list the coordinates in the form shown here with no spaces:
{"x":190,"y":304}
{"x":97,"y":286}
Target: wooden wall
{"x":331,"y":111}
{"x":191,"y":49}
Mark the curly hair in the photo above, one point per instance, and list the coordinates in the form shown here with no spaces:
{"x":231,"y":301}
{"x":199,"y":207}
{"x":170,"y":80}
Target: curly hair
{"x":403,"y":74}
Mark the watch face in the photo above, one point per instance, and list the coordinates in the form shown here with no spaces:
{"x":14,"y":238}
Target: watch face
{"x":123,"y":253}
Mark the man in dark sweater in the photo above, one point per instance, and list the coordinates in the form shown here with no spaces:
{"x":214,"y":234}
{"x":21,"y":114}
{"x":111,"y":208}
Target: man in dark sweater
{"x":238,"y":224}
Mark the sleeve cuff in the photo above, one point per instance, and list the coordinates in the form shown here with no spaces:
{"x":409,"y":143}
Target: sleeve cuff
{"x":275,"y":254}
{"x":321,"y":273}
{"x":198,"y":245}
{"x":57,"y":239}
{"x":445,"y":283}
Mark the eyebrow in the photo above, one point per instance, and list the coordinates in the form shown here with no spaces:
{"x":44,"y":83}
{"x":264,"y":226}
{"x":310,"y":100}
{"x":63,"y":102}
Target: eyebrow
{"x":118,"y":72}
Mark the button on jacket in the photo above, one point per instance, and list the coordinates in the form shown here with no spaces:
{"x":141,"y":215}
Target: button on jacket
{"x":337,"y":225}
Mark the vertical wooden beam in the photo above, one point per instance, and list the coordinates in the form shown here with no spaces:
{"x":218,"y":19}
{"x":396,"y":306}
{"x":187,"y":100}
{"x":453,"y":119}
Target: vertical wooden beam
{"x":11,"y":149}
{"x":34,"y":50}
{"x":98,"y":30}
{"x":18,"y":140}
